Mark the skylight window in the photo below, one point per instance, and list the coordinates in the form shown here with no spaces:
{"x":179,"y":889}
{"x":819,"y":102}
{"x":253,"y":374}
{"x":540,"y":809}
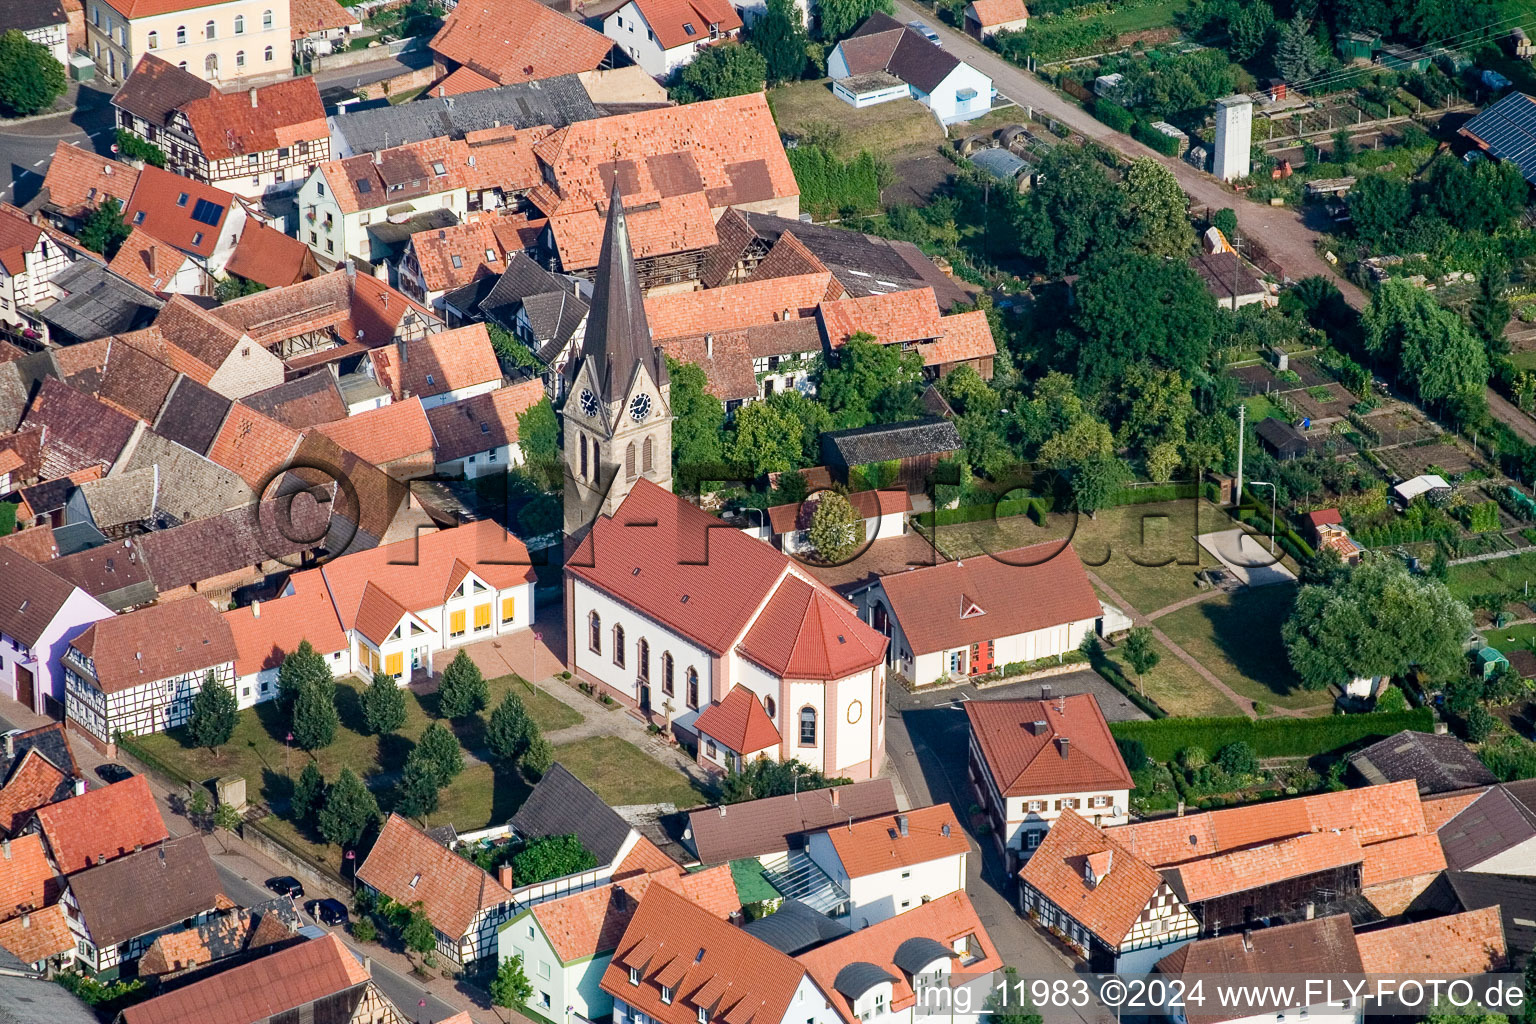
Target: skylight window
{"x":181,"y":200}
{"x":364,"y":186}
{"x":688,"y":27}
{"x":138,"y":217}
{"x":458,"y":261}
{"x":197,"y":238}
{"x":438,"y":168}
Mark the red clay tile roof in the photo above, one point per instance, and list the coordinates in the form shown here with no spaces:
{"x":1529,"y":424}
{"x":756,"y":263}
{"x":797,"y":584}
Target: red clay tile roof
{"x":167,"y":216}
{"x":18,"y":236}
{"x":725,"y":359}
{"x":1440,"y":808}
{"x":1407,"y":857}
{"x":438,"y":363}
{"x":876,"y":844}
{"x":281,"y":313}
{"x":1254,"y":866}
{"x":1107,"y":909}
{"x":1466,"y":943}
{"x":159,"y":642}
{"x":1016,"y":591}
{"x":281,"y":114}
{"x":463,"y":80}
{"x":255,"y":446}
{"x":269,"y":986}
{"x":706,"y":961}
{"x":1026,"y":758}
{"x":307,"y":16}
{"x":1323,"y":517}
{"x":588,"y":923}
{"x":107,"y":822}
{"x":672,"y":20}
{"x":998,"y":12}
{"x":156,"y":88}
{"x":377,"y":614}
{"x":511,"y":41}
{"x":406,"y":865}
{"x":78,"y":180}
{"x":267,"y":256}
{"x":42,"y":934}
{"x":473,"y":425}
{"x":267,"y":631}
{"x":34,"y":784}
{"x":946,"y":920}
{"x":910,"y":316}
{"x":739,"y":722}
{"x":736,"y":305}
{"x":395,"y":431}
{"x":671,"y":224}
{"x":81,"y":432}
{"x":148,"y":262}
{"x":788,"y":258}
{"x":471,"y":243}
{"x":643,"y":858}
{"x":27,"y":879}
{"x":808,"y":632}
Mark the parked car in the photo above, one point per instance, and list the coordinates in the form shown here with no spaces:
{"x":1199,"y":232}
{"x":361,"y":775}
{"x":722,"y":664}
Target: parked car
{"x":327,"y":911}
{"x":286,"y":885}
{"x":926,"y":32}
{"x":111,"y":773}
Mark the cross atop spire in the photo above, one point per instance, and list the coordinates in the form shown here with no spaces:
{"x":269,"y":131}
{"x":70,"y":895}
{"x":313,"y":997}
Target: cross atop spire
{"x":617,"y":335}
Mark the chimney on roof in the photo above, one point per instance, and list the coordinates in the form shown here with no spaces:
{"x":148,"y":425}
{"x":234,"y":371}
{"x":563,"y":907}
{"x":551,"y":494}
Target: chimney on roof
{"x":1038,"y":727}
{"x":1063,"y":743}
{"x":10,"y":745}
{"x":1248,"y":940}
{"x":1045,"y":691}
{"x":1311,"y":909}
{"x":440,"y":92}
{"x":375,"y":156}
{"x":5,"y":848}
{"x":722,"y":810}
{"x":255,"y":609}
{"x":138,"y":847}
{"x":368,"y":966}
{"x":709,"y":345}
{"x":253,"y":97}
{"x":901,"y":825}
{"x":79,"y":787}
{"x":101,"y":859}
{"x":833,"y":791}
{"x":787,"y":315}
{"x":504,"y":876}
{"x":1180,"y":812}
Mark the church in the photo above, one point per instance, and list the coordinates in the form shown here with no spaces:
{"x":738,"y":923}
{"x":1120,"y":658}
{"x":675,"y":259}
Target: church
{"x":668,"y":609}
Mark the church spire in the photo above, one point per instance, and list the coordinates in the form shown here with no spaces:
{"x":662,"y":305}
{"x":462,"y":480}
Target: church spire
{"x":617,"y":335}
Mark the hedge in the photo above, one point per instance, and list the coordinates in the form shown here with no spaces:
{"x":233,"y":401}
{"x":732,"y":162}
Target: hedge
{"x":1270,"y":737}
{"x":128,"y":742}
{"x":1113,"y":114}
{"x":829,"y":186}
{"x":1164,"y":144}
{"x":1109,"y":670}
{"x":1035,"y":508}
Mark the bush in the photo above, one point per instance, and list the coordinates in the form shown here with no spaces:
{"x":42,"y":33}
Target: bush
{"x":1132,"y":753}
{"x":135,"y":148}
{"x":1483,"y":517}
{"x":830,"y":187}
{"x":1113,"y":114}
{"x":1164,"y":144}
{"x":1269,"y":737}
{"x":363,"y":930}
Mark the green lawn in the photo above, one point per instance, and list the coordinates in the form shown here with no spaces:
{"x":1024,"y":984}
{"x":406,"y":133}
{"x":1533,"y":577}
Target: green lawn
{"x":621,"y":773}
{"x":1261,"y":408}
{"x":810,"y":109}
{"x":1237,"y":637}
{"x":1140,"y":19}
{"x":1475,"y":578}
{"x":1524,"y":359}
{"x":1177,"y":688}
{"x":1511,"y":638}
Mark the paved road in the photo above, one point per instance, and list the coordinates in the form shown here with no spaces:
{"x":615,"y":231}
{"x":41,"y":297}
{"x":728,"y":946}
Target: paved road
{"x":337,"y":84}
{"x":27,"y":148}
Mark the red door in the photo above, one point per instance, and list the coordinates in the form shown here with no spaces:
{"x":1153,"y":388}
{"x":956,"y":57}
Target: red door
{"x":981,"y":658}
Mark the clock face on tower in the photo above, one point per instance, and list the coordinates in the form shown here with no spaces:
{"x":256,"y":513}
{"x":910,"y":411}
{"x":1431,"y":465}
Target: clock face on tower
{"x":640,"y":408}
{"x":588,"y":402}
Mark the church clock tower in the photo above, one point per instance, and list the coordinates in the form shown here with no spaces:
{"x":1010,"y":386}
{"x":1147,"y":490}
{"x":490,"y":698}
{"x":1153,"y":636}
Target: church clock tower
{"x":617,"y":418}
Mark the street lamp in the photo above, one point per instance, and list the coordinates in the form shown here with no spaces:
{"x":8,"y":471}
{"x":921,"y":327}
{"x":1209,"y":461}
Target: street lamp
{"x":286,"y":741}
{"x":351,"y":855}
{"x":1272,"y":500}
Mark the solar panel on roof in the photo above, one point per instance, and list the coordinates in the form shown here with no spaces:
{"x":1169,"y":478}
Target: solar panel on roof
{"x":206,"y":212}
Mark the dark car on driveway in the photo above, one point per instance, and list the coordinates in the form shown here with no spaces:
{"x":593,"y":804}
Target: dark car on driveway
{"x":327,"y":911}
{"x":111,"y":773}
{"x":286,"y":885}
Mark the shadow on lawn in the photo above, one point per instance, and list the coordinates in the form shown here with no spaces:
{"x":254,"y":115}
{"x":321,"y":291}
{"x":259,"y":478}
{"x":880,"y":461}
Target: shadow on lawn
{"x":1246,"y":630}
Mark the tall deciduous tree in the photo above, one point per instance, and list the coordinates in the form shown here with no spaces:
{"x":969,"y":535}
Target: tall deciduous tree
{"x":1134,"y":308}
{"x":813,"y":417}
{"x":697,"y":420}
{"x":836,"y":530}
{"x":1158,"y":209}
{"x":105,"y":231}
{"x":728,"y":68}
{"x":779,"y":35}
{"x":538,"y":438}
{"x":30,"y":79}
{"x":463,"y":689}
{"x":1141,"y":652}
{"x":1377,"y":620}
{"x":347,"y":810}
{"x":840,"y":17}
{"x":1074,"y":212}
{"x":214,"y":714}
{"x":383,"y":705}
{"x":871,"y":383}
{"x":511,"y":987}
{"x":765,"y":440}
{"x":1439,"y":355}
{"x":551,"y":857}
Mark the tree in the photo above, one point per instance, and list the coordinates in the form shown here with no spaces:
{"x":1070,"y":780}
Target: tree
{"x":30,"y":79}
{"x":1378,"y":620}
{"x":1095,"y":481}
{"x":510,"y":988}
{"x":1141,"y":652}
{"x":1488,"y":314}
{"x":1007,"y":1002}
{"x":418,"y":793}
{"x":314,"y":716}
{"x":728,"y":68}
{"x":347,"y":810}
{"x":1134,"y":308}
{"x":1379,"y":209}
{"x":1157,"y":206}
{"x":1391,"y":700}
{"x":765,"y":778}
{"x":463,"y":690}
{"x":1237,"y":759}
{"x":510,"y":730}
{"x":551,"y":857}
{"x":697,"y":418}
{"x":214,"y":714}
{"x":301,"y":668}
{"x":538,"y":758}
{"x":836,"y":530}
{"x":1296,"y":52}
{"x":225,"y":817}
{"x":1074,"y":212}
{"x":1440,"y":357}
{"x":840,"y":17}
{"x":308,"y":793}
{"x":105,"y":231}
{"x":870,"y":383}
{"x":441,"y":750}
{"x":383,"y":705}
{"x":1225,"y":221}
{"x":538,"y":438}
{"x":765,"y":440}
{"x":418,"y":934}
{"x":1249,"y":29}
{"x":813,"y":417}
{"x":779,"y":35}
{"x":234,"y":287}
{"x":1478,"y":723}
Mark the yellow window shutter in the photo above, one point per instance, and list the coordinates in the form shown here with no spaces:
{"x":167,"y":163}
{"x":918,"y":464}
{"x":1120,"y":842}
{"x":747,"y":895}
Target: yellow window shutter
{"x":482,"y":616}
{"x":393,"y":664}
{"x":508,"y":609}
{"x":456,"y":622}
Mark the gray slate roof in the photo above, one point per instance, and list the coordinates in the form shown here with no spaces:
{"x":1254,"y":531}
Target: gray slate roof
{"x":302,"y":402}
{"x":918,"y":952}
{"x":1514,"y":895}
{"x":884,"y":44}
{"x":1499,"y":820}
{"x":146,"y":891}
{"x":13,"y":397}
{"x":795,"y":928}
{"x":25,"y":14}
{"x":561,"y":804}
{"x":554,"y":310}
{"x":35,"y":1001}
{"x":911,"y":439}
{"x":1440,"y":764}
{"x":192,"y":415}
{"x":557,"y":102}
{"x":48,"y":740}
{"x":758,"y":828}
{"x":859,"y":977}
{"x":98,"y":303}
{"x":189,"y":485}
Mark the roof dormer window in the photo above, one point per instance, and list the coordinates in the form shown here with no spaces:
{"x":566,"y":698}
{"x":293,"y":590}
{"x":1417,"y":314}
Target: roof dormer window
{"x":415,"y":878}
{"x":703,"y":1016}
{"x":666,"y":994}
{"x":634,"y":976}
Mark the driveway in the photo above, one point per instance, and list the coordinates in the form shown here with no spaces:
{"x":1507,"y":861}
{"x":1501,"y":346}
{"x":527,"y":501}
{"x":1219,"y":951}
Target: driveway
{"x":1247,"y":556}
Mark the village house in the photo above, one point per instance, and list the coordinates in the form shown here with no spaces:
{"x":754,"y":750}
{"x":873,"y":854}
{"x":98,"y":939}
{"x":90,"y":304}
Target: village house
{"x":77,"y":182}
{"x":1492,"y":832}
{"x":442,"y":260}
{"x":138,"y":672}
{"x":201,"y":220}
{"x":1438,"y":763}
{"x":546,"y":312}
{"x":734,"y":732}
{"x":477,"y":436}
{"x":160,"y":267}
{"x":43,"y":22}
{"x":266,"y":632}
{"x":205,"y":346}
{"x":973,"y":616}
{"x":986,"y":18}
{"x":475,"y":49}
{"x":86,"y":301}
{"x":885,"y":60}
{"x":116,"y":910}
{"x":249,"y":142}
{"x":561,"y":804}
{"x":39,"y":617}
{"x":320,"y":26}
{"x":448,"y":366}
{"x":912,"y":320}
{"x":910,"y":450}
{"x":37,"y":768}
{"x":1032,"y":760}
{"x":30,"y":256}
{"x":233,"y":41}
{"x":566,"y":943}
{"x":765,"y":829}
{"x":304,"y":401}
{"x":1329,"y":533}
{"x":101,"y":825}
{"x":397,"y":438}
{"x":662,"y":37}
{"x":218,"y":555}
{"x":33,"y":926}
{"x":268,"y":257}
{"x":882,"y":514}
{"x":465,"y":904}
{"x":890,"y":864}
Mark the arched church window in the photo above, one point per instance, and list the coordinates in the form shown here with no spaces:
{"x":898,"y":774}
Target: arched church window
{"x":648,"y":457}
{"x":595,"y":633}
{"x":583,"y":456}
